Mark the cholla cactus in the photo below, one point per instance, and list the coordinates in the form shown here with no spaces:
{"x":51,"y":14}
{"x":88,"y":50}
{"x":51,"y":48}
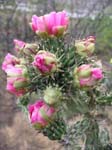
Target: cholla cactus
{"x":65,"y":80}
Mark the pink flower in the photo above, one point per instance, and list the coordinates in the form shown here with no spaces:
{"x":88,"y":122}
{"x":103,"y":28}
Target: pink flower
{"x":40,"y":113}
{"x":19,"y":45}
{"x":9,"y":61}
{"x":18,"y":80}
{"x":86,"y":46}
{"x":16,"y":85}
{"x":50,"y":24}
{"x":45,"y":62}
{"x":87,"y":76}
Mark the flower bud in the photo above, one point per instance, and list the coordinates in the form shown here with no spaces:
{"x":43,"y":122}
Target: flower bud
{"x":30,"y":49}
{"x":87,"y":76}
{"x":52,"y":95}
{"x":9,"y":61}
{"x":40,"y":114}
{"x":18,"y":80}
{"x":17,"y":85}
{"x":45,"y":62}
{"x":86,"y":46}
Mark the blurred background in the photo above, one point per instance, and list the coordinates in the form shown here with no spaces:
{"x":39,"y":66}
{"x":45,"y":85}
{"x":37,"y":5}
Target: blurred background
{"x":87,"y":17}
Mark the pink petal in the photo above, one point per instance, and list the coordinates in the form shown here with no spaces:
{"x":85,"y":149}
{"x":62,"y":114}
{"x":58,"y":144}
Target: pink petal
{"x":34,"y":23}
{"x":97,"y":73}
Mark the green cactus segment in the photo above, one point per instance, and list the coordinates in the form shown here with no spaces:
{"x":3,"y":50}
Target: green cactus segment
{"x":86,"y":132}
{"x":92,"y":137}
{"x":55,"y":130}
{"x":76,"y":131}
{"x":68,"y":60}
{"x":105,"y":139}
{"x":104,"y":100}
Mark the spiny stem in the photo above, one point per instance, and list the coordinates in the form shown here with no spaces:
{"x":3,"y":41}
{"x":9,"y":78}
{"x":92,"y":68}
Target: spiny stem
{"x":91,"y":104}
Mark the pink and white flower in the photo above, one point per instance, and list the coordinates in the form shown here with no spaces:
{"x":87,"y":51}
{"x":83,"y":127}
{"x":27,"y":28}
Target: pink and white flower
{"x":53,"y":24}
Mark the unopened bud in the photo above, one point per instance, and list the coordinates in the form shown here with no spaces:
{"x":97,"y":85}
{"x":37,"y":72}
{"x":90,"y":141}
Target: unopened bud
{"x":52,"y":95}
{"x":30,"y":49}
